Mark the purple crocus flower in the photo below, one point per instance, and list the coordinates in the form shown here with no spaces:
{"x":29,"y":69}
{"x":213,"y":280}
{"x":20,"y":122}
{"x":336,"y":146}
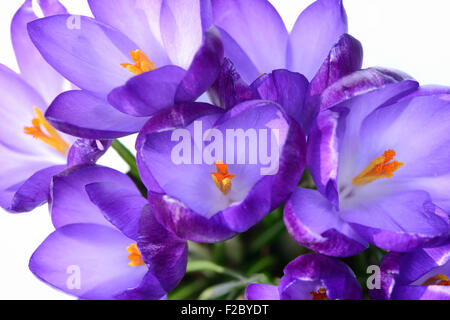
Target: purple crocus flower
{"x":317,"y":50}
{"x":206,"y":186}
{"x":422,"y":274}
{"x":266,"y":44}
{"x":107,"y":244}
{"x":133,"y":59}
{"x":380,"y":167}
{"x":32,"y":149}
{"x":310,"y":277}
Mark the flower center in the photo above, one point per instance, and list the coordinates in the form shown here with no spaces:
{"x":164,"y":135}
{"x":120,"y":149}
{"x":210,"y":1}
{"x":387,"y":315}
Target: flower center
{"x":321,"y":294}
{"x":380,"y":167}
{"x":141,"y":63}
{"x":135,"y":256}
{"x":222,"y":178}
{"x":437,"y":280}
{"x":50,"y":137}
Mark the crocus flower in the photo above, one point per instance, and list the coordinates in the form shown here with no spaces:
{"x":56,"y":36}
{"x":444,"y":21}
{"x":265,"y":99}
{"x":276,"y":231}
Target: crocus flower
{"x":101,"y":251}
{"x":422,"y":274}
{"x":318,"y":48}
{"x":310,"y":277}
{"x":380,"y":167}
{"x":138,"y":56}
{"x":206,"y":186}
{"x":300,"y":99}
{"x":266,"y":44}
{"x":32,"y":149}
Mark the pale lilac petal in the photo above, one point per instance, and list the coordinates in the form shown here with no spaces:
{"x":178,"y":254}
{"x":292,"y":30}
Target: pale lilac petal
{"x":120,"y":204}
{"x":165,"y":253}
{"x":34,"y":69}
{"x":315,"y":32}
{"x":70,"y":202}
{"x":181,"y":30}
{"x":398,"y":222}
{"x":84,"y":115}
{"x":89,"y":54}
{"x":133,"y":18}
{"x":85,"y":151}
{"x":257,"y":29}
{"x":313,"y":222}
{"x":97,"y":254}
{"x":257,"y":291}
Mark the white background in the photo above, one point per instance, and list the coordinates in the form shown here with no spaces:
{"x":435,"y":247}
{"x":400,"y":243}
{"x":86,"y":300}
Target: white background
{"x":410,"y":35}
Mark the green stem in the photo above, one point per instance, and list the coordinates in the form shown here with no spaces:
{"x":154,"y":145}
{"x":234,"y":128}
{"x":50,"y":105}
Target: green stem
{"x":208,"y":266}
{"x":127,"y":156}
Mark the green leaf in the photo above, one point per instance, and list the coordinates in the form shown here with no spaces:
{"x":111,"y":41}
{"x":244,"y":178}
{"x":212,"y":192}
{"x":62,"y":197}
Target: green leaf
{"x":208,"y":266}
{"x":266,"y":236}
{"x":127,"y":156}
{"x":227,"y":288}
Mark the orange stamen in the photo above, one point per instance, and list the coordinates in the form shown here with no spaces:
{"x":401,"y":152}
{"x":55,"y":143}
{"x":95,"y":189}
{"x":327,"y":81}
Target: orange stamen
{"x":135,"y":256}
{"x":50,"y":137}
{"x":321,"y":294}
{"x":380,"y":167}
{"x":437,"y":280}
{"x":141,"y":63}
{"x":222,"y":178}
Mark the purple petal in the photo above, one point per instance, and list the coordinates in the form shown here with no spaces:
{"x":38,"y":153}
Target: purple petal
{"x":314,"y":223}
{"x":82,"y":114}
{"x":316,"y":31}
{"x":334,"y":132}
{"x":229,"y":89}
{"x":95,"y":253}
{"x":286,"y":88}
{"x":85,"y":151}
{"x":389,"y":268}
{"x":89,"y":55}
{"x":181,"y":29}
{"x":51,"y":7}
{"x":163,"y":251}
{"x":149,"y":92}
{"x":430,"y":90}
{"x":148,"y":289}
{"x":177,"y":116}
{"x":245,"y":67}
{"x":416,"y":129}
{"x":120,"y":204}
{"x":250,"y":182}
{"x":16,"y":109}
{"x":134,"y":19}
{"x":362,"y":82}
{"x":33,"y":67}
{"x":421,"y":293}
{"x":203,"y":70}
{"x":186,"y":224}
{"x":70,"y":202}
{"x":344,"y":58}
{"x":398,"y":222}
{"x":258,"y":291}
{"x":32,"y":193}
{"x":154,"y":148}
{"x":320,"y":271}
{"x":264,"y":41}
{"x":418,"y":263}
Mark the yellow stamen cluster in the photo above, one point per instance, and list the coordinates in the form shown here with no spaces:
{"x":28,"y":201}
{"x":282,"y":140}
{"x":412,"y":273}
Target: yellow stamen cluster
{"x":222,"y":178}
{"x":381,"y":167}
{"x":437,"y":280}
{"x":321,"y":294}
{"x":135,"y":256}
{"x":50,"y":137}
{"x":141,"y":63}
